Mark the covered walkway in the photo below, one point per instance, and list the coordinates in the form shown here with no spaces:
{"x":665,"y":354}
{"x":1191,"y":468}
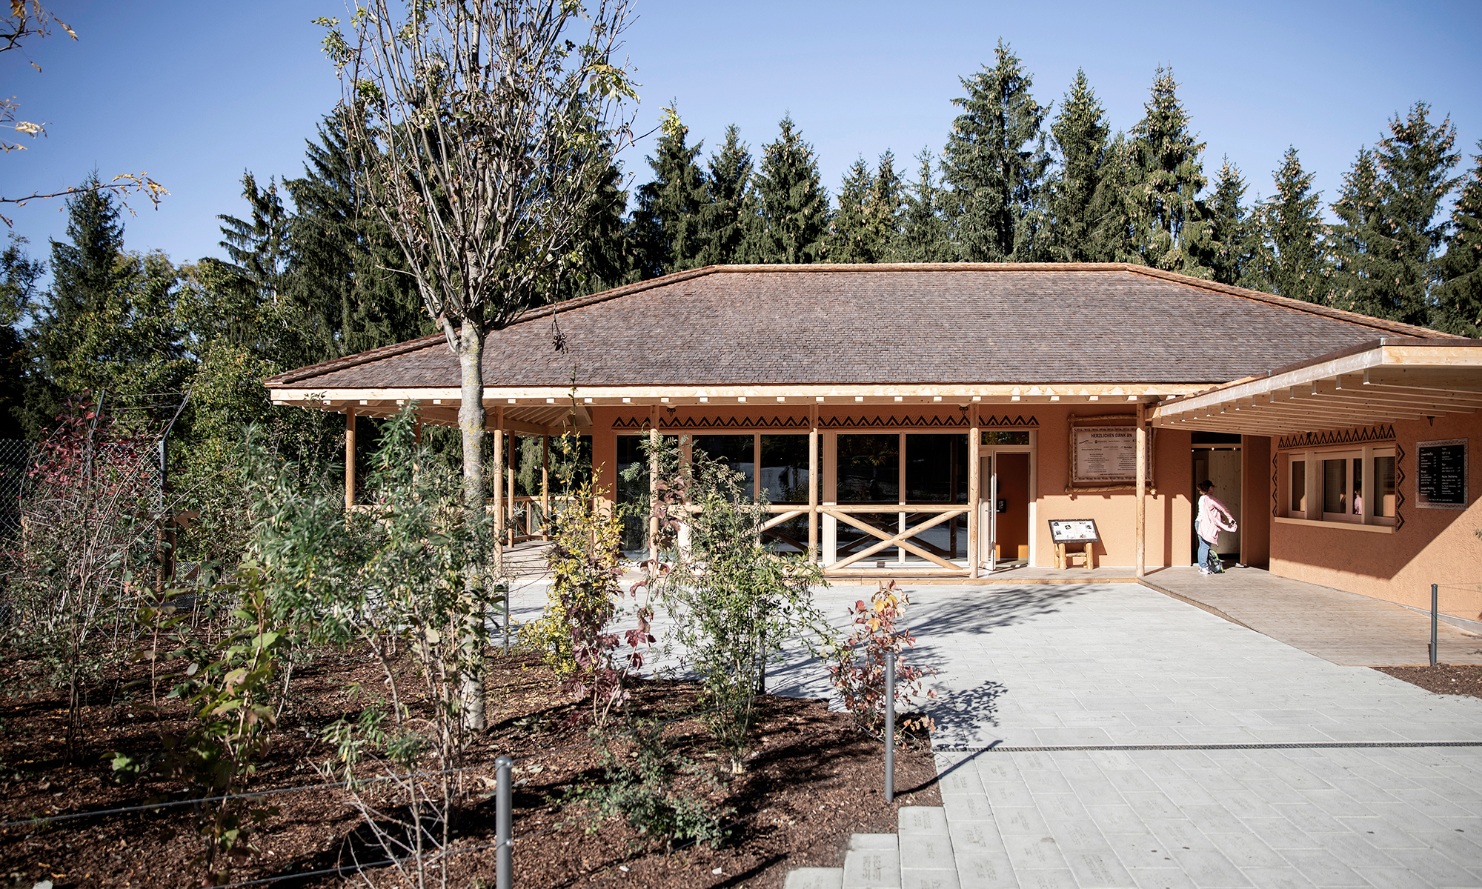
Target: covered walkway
{"x":1340,"y":627}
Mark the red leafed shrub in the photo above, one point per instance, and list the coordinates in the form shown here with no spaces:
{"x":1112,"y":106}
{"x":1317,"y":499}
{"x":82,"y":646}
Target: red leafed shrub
{"x":858,"y":664}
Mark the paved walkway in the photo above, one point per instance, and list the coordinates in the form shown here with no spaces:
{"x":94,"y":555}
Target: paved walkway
{"x":1344,"y":628}
{"x":1113,"y":736}
{"x":1095,"y":735}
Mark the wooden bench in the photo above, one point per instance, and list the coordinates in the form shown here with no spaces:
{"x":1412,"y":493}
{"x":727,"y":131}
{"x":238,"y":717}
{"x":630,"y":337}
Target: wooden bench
{"x":1063,"y":555}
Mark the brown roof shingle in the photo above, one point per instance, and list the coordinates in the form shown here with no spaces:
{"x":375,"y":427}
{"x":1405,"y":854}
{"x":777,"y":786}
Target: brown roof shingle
{"x":884,"y":324}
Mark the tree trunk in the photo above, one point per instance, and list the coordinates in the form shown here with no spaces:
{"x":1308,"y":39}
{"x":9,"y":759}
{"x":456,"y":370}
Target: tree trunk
{"x":471,"y":422}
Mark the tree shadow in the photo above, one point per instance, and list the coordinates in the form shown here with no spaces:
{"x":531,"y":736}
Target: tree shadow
{"x":958,"y":713}
{"x":978,"y":612}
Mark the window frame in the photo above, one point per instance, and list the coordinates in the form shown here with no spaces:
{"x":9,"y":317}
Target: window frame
{"x":1359,"y":465}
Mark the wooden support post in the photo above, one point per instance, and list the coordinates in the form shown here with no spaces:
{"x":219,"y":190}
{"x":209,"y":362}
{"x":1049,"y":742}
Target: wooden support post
{"x":499,"y":490}
{"x":1142,"y":488}
{"x":974,"y":501}
{"x":813,"y":483}
{"x":653,"y":483}
{"x":349,"y":457}
{"x":545,"y":487}
{"x":513,"y":452}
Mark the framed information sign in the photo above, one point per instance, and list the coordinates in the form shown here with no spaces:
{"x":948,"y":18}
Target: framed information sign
{"x":1441,"y":474}
{"x":1073,"y":531}
{"x":1103,"y":453}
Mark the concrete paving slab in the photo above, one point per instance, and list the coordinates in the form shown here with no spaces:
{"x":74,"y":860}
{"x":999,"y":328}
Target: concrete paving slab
{"x":815,"y":878}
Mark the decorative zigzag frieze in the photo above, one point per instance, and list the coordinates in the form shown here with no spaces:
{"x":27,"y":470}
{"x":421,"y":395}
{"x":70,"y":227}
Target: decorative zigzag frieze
{"x":1363,"y":435}
{"x":884,"y":421}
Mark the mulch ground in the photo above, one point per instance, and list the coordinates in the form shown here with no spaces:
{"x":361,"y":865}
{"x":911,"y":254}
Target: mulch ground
{"x":811,"y":780}
{"x":1443,"y":679}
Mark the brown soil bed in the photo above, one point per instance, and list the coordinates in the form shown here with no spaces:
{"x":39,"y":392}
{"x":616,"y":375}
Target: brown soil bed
{"x":811,"y":780}
{"x":1444,"y":679}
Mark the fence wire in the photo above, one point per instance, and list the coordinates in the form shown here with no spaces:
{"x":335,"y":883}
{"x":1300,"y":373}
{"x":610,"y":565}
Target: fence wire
{"x":15,"y":460}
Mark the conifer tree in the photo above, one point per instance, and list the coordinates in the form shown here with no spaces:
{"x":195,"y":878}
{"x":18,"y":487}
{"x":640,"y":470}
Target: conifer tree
{"x":1291,"y":230}
{"x":995,"y":163}
{"x":883,"y":210}
{"x":1115,"y":206}
{"x":1079,"y":135}
{"x":729,"y":215}
{"x":846,"y":241}
{"x":667,"y":224}
{"x":346,"y":280}
{"x":258,"y":245}
{"x":19,"y":275}
{"x":1357,"y":275}
{"x":108,"y":322}
{"x":1231,"y":230}
{"x":1458,"y":298}
{"x":608,"y":256}
{"x":923,"y":233}
{"x":792,"y":200}
{"x":1170,"y":230}
{"x":1416,"y":160}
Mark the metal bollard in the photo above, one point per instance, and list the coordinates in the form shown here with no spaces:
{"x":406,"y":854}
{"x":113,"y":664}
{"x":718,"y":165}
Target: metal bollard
{"x":889,"y":726}
{"x":1434,"y":601}
{"x":504,"y":820}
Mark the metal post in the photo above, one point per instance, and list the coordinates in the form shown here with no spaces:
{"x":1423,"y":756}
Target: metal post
{"x":507,"y":590}
{"x":889,"y":726}
{"x":1433,"y":623}
{"x":504,"y":865}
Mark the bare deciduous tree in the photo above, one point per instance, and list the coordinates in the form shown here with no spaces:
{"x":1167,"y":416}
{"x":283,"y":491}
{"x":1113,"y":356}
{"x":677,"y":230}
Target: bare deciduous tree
{"x":478,"y":126}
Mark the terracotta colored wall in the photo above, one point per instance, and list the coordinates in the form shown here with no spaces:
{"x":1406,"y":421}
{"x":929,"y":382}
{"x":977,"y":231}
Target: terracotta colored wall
{"x":1432,"y":546}
{"x":1169,"y":512}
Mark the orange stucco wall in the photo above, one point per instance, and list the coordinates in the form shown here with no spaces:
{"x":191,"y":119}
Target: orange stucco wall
{"x":1432,"y":545}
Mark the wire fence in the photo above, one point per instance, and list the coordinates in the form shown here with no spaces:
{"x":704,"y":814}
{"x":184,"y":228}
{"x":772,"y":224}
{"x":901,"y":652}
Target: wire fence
{"x":15,"y":460}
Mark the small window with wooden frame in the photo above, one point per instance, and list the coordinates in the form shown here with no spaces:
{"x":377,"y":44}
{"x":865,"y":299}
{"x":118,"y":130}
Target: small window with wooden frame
{"x":1341,"y":486}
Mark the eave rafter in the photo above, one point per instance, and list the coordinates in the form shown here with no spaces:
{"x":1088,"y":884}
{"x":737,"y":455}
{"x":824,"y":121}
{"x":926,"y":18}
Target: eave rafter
{"x":1386,"y":382}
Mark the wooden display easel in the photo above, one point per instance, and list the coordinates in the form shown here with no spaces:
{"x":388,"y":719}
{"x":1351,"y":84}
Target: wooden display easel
{"x":1067,"y":533}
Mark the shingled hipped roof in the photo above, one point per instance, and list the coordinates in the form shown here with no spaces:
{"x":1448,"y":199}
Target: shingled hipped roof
{"x":814,"y":325}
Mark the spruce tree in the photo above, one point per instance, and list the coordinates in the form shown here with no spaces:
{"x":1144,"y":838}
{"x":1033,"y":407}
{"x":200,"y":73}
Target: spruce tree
{"x":1115,"y":206}
{"x":346,"y":281}
{"x":792,"y":200}
{"x":1079,"y":135}
{"x":1231,"y":230}
{"x":1416,"y":161}
{"x":995,"y":164}
{"x":1458,"y":298}
{"x":258,"y":245}
{"x":608,"y":256}
{"x":923,"y":233}
{"x":1357,"y":269}
{"x":109,"y":320}
{"x":19,"y":275}
{"x":729,"y":216}
{"x":667,"y":223}
{"x":1291,"y":230}
{"x":846,"y":240}
{"x":883,"y":210}
{"x":1170,"y":230}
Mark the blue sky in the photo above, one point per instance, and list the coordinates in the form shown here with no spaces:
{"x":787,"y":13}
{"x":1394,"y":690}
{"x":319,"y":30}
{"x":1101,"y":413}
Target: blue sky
{"x":195,"y":93}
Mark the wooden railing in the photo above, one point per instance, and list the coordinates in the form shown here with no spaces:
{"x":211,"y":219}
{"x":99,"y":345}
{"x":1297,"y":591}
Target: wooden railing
{"x":935,"y":515}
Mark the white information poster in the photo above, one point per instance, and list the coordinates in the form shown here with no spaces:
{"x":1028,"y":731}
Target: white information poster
{"x":1104,"y":455}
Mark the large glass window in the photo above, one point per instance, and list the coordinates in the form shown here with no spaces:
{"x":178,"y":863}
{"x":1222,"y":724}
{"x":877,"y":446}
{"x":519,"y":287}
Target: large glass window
{"x":737,"y":451}
{"x":784,"y":472}
{"x":936,"y":468}
{"x":1334,"y":488}
{"x":869,"y":468}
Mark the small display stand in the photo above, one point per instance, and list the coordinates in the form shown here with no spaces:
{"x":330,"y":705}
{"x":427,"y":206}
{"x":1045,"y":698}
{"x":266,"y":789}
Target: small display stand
{"x":1078,"y":533}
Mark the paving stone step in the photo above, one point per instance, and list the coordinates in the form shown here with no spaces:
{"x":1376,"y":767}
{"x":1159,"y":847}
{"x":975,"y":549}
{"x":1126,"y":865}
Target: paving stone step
{"x":918,"y":856}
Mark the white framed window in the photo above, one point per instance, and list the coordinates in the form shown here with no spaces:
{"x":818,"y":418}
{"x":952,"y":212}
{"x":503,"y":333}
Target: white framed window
{"x":1350,"y":486}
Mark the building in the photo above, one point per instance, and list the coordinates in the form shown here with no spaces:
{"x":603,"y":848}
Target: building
{"x":937,"y":420}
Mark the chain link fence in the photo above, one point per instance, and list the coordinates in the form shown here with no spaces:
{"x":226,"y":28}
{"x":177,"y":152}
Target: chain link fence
{"x":15,"y":459}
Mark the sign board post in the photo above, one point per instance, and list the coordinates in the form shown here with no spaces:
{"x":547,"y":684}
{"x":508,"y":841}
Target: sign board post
{"x":1073,"y":532}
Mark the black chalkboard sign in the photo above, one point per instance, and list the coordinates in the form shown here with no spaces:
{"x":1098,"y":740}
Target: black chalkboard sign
{"x":1442,"y":482}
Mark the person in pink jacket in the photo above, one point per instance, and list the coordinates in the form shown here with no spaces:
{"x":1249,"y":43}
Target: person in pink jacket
{"x":1212,"y":518}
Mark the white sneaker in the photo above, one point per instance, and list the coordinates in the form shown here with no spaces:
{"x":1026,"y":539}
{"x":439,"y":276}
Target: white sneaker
{"x":1203,"y":570}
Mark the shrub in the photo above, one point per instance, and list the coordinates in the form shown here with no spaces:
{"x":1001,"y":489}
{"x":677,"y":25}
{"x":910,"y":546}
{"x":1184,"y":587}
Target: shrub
{"x":857,"y":666}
